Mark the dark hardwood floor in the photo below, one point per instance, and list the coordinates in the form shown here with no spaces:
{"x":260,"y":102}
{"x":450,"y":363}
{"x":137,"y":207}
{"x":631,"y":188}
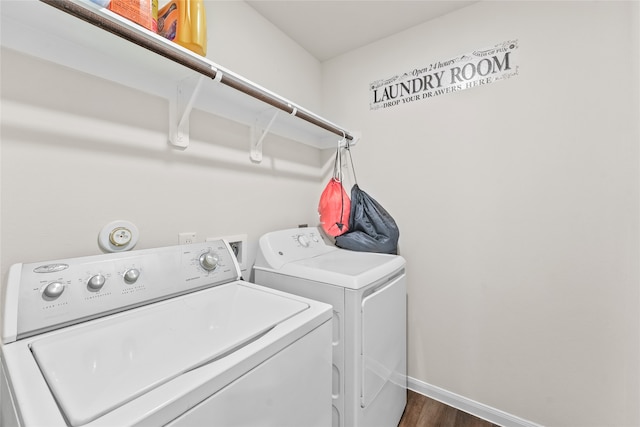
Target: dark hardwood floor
{"x":422,"y":411}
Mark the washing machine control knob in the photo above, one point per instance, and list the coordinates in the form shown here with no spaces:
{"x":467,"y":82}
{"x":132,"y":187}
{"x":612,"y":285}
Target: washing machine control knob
{"x":131,"y":275}
{"x":96,"y":282}
{"x":54,"y":289}
{"x":209,"y":260}
{"x":303,"y":240}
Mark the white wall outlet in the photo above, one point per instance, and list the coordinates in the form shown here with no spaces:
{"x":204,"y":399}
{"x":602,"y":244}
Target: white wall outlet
{"x":238,"y":245}
{"x":187,"y":238}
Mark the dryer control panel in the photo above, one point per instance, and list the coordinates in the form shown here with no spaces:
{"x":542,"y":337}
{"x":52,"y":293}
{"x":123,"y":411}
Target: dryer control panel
{"x":47,"y":295}
{"x":284,"y":246}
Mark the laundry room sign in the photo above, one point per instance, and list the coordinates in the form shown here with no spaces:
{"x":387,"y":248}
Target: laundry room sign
{"x":477,"y":68}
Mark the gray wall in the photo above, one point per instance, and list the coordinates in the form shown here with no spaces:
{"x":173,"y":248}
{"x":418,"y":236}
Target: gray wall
{"x":518,"y":206}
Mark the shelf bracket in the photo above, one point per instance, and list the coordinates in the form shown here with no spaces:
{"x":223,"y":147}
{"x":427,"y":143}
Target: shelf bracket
{"x":180,"y":107}
{"x":257,"y":137}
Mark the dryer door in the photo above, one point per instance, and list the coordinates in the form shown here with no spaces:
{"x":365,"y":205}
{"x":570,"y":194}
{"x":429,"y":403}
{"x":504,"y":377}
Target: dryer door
{"x":383,"y":339}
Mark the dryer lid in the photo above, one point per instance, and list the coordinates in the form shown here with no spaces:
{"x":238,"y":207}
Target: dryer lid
{"x":345,"y":268}
{"x":97,"y":367}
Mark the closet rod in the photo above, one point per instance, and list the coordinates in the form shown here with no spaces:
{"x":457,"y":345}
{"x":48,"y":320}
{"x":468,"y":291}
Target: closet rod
{"x":200,"y":66}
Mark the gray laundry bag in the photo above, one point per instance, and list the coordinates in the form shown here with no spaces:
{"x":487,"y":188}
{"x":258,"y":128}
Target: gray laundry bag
{"x":371,"y":228}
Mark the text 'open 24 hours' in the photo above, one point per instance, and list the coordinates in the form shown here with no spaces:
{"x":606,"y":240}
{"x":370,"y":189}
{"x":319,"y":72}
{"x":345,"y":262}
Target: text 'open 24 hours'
{"x":479,"y":67}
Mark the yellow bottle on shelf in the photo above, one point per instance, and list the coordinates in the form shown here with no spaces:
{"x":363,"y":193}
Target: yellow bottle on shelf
{"x":184,"y":22}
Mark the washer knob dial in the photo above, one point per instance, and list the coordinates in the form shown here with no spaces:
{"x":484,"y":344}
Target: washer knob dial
{"x":209,"y":260}
{"x":54,"y":289}
{"x":96,"y":282}
{"x":131,"y":275}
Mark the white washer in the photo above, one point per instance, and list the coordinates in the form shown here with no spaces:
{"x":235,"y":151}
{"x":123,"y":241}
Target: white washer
{"x":368,"y":295}
{"x":166,"y":336}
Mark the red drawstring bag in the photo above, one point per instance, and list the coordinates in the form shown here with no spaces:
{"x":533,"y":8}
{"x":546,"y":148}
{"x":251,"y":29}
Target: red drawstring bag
{"x":335,"y":205}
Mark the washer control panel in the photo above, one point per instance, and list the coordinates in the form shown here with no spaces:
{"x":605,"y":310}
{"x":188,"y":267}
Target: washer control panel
{"x":58,"y":293}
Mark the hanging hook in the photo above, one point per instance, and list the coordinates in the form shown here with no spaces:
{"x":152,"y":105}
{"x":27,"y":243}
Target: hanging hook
{"x":343,"y":141}
{"x":348,"y":141}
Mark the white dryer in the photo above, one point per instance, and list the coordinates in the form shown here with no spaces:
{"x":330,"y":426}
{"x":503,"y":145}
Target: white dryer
{"x":368,"y":295}
{"x":166,"y":336}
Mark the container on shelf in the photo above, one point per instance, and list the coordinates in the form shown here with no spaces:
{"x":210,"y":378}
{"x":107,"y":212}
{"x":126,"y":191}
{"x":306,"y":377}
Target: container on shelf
{"x":185,"y":23}
{"x":142,"y":12}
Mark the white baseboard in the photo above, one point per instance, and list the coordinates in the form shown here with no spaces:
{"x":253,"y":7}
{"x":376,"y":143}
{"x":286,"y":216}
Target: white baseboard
{"x":472,"y":407}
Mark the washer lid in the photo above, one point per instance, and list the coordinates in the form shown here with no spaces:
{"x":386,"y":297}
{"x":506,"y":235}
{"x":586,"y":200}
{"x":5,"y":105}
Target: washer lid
{"x":96,"y":367}
{"x":346,"y":268}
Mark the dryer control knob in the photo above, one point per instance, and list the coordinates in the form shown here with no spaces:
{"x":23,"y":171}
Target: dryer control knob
{"x":96,"y":282}
{"x":54,"y":289}
{"x":303,"y":240}
{"x":131,"y":275}
{"x":209,"y":260}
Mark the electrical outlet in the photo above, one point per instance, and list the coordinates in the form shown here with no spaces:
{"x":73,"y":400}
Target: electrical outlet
{"x":238,"y":244}
{"x":187,"y":238}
